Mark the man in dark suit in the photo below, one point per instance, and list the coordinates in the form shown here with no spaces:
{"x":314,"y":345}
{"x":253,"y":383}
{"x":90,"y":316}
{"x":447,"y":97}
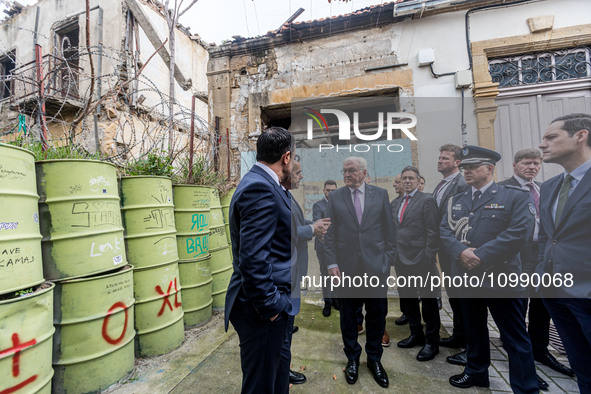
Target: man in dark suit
{"x":403,"y":319}
{"x":452,"y":183}
{"x":526,"y":165}
{"x":319,"y":212}
{"x":302,"y":231}
{"x":416,"y":223}
{"x":360,"y":242}
{"x":258,"y":298}
{"x":565,"y":234}
{"x":482,"y":231}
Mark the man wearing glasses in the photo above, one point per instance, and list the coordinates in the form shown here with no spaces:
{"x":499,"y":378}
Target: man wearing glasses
{"x":482,"y":231}
{"x":360,"y":242}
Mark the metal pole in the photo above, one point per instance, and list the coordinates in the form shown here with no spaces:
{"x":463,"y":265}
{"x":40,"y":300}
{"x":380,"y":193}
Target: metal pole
{"x":228,"y":149}
{"x":191,"y":138}
{"x":39,"y":64}
{"x":99,"y":81}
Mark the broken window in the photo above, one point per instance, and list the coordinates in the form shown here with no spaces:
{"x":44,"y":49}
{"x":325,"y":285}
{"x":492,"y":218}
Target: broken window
{"x":66,"y":64}
{"x":7,"y":66}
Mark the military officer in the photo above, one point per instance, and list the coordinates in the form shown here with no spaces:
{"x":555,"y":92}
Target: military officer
{"x":482,"y":231}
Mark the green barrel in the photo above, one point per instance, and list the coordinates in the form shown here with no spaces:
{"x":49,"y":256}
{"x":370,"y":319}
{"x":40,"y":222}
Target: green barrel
{"x":26,"y":329}
{"x":196,"y":291}
{"x":80,"y":218}
{"x":20,"y":240}
{"x":158,"y":312}
{"x":148,"y":218}
{"x":191,"y":217}
{"x":226,"y":199}
{"x":93,"y":342}
{"x":217,"y":227}
{"x":221,"y":271}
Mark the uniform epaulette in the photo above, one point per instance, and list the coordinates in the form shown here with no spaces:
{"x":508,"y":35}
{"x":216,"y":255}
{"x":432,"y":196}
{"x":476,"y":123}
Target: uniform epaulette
{"x":516,"y":188}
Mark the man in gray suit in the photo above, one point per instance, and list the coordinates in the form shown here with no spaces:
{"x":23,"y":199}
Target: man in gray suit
{"x":526,"y":165}
{"x":360,"y":242}
{"x":452,"y":183}
{"x":565,"y":214}
{"x":416,"y":222}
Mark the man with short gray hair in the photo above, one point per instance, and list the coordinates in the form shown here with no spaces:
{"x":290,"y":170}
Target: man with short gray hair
{"x":360,"y":242}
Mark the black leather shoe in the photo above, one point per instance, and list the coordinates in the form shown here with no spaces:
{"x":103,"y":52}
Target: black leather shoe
{"x":296,"y":377}
{"x":458,"y":358}
{"x":352,"y":371}
{"x":295,"y":329}
{"x":412,"y":341}
{"x":465,"y":381}
{"x":428,"y":352}
{"x":326,"y":310}
{"x":378,"y":372}
{"x":542,"y":385}
{"x":452,"y":341}
{"x":402,"y":320}
{"x":550,"y":361}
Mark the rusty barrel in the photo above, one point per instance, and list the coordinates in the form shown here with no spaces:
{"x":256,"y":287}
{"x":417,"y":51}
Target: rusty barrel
{"x":94,"y":338}
{"x":148,"y":218}
{"x":80,"y":218}
{"x":26,"y":330}
{"x":21,"y":266}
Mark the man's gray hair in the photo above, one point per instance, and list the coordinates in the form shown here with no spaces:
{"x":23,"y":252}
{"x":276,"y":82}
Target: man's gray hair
{"x":359,"y":161}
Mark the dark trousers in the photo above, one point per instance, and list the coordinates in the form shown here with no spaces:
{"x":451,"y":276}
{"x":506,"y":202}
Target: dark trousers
{"x":572,"y":318}
{"x":509,"y":316}
{"x":376,"y":310}
{"x":261,"y":343}
{"x":457,"y":319}
{"x":326,"y":293}
{"x":538,"y":326}
{"x":430,"y":308}
{"x":285,"y":358}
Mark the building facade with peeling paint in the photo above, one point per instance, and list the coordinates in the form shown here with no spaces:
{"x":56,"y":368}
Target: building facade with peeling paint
{"x":128,"y":104}
{"x":492,"y":73}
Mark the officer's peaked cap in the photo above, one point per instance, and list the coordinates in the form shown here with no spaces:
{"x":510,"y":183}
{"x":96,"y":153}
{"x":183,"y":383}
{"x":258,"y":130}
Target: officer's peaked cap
{"x":471,"y":154}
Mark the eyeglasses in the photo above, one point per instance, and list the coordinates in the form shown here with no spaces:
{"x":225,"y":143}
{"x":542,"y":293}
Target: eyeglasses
{"x":349,"y":171}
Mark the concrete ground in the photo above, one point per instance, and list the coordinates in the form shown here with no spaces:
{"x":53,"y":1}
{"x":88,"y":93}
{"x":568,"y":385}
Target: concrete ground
{"x":209,"y":362}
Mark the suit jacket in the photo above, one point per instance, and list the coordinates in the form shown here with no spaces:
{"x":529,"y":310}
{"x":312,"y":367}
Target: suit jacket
{"x":319,"y":212}
{"x":417,"y":237}
{"x":565,"y":246}
{"x":456,"y":186}
{"x":514,"y":182}
{"x":501,"y":222}
{"x":360,"y":248}
{"x":302,"y":232}
{"x":260,"y":229}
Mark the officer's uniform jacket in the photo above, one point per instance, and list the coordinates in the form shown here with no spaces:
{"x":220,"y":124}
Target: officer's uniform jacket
{"x":500,"y":222}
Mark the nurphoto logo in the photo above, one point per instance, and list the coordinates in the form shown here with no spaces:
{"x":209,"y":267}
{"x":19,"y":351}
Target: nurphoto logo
{"x":402,"y":121}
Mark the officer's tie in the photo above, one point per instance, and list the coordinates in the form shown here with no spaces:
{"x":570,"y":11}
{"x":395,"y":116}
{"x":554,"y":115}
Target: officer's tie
{"x":563,"y":196}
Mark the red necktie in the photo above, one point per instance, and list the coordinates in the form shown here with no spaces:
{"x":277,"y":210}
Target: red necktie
{"x":535,"y":196}
{"x":404,"y":206}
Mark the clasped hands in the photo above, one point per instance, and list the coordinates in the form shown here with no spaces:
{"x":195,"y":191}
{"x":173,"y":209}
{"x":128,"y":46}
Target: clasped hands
{"x":468,"y":259}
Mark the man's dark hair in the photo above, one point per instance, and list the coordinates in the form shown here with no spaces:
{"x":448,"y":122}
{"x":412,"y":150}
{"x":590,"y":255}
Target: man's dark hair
{"x":329,"y":182}
{"x":451,"y":148}
{"x":273,"y":143}
{"x":576,"y":122}
{"x":527,"y":154}
{"x":411,"y":168}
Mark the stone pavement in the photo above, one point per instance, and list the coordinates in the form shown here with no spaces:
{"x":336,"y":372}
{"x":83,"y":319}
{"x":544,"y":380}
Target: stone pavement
{"x":208,"y":361}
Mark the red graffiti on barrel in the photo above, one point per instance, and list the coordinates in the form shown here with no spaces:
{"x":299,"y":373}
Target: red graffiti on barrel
{"x":165,"y":300}
{"x":106,"y":336}
{"x":15,"y":350}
